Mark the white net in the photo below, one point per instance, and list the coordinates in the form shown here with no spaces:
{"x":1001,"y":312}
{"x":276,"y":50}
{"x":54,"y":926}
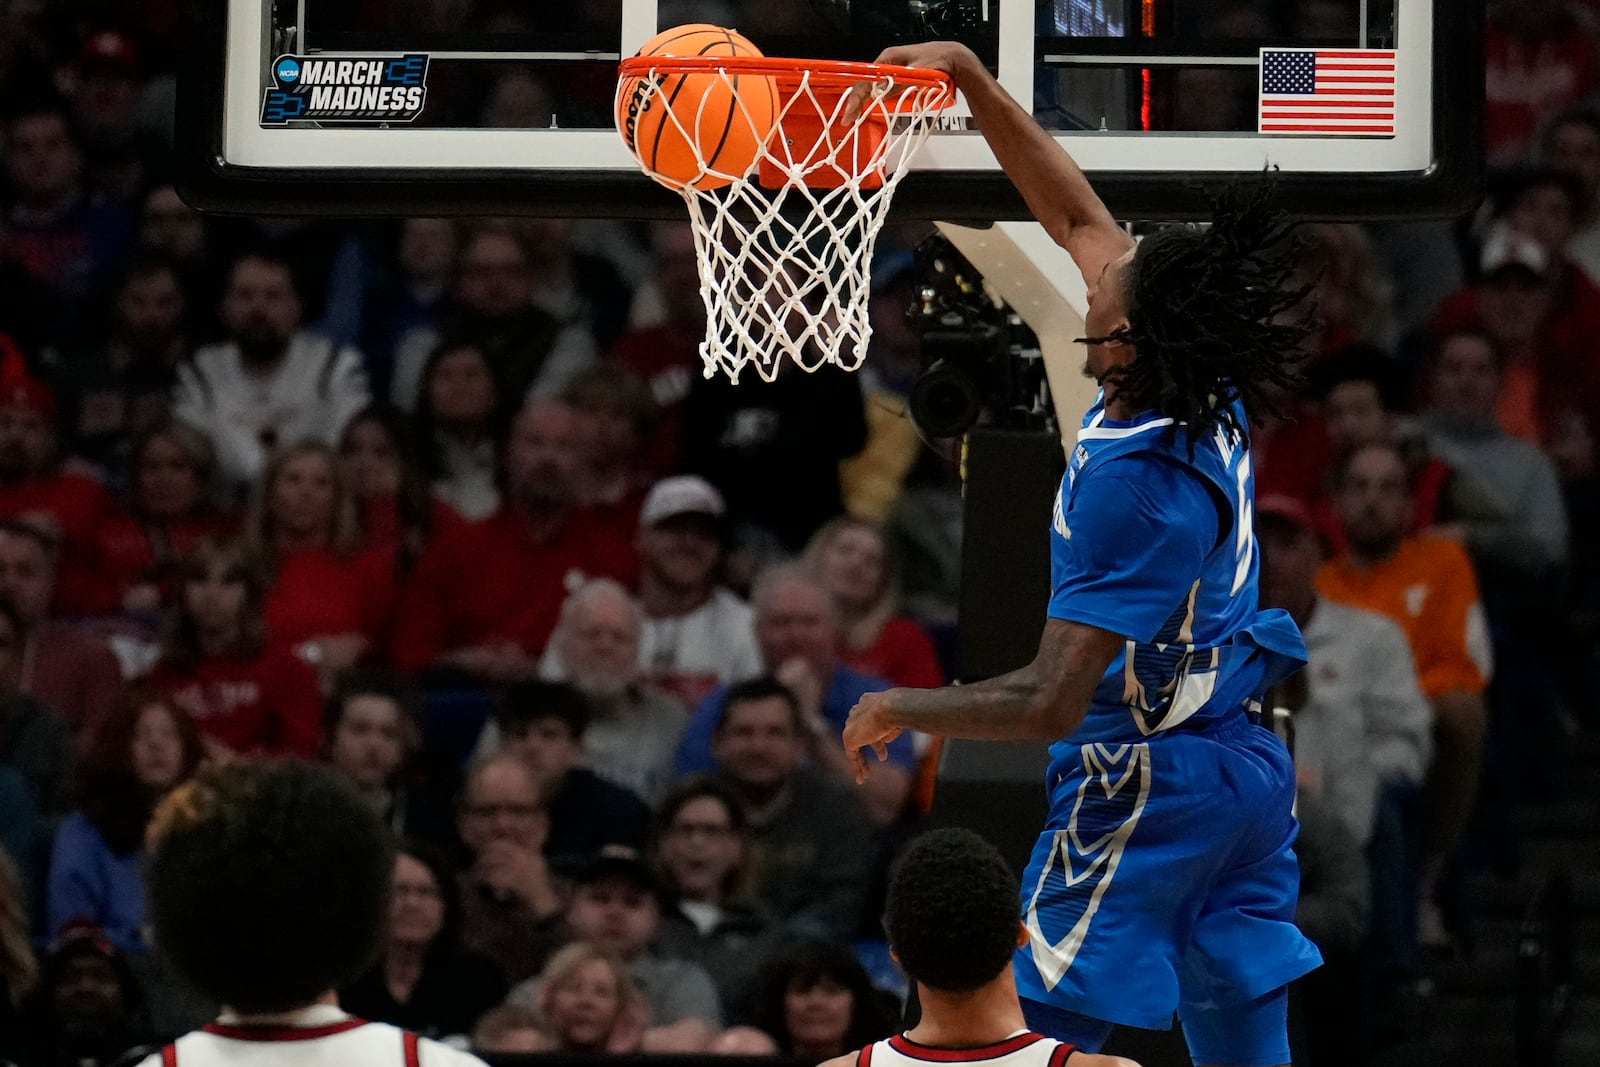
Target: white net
{"x":785,"y":241}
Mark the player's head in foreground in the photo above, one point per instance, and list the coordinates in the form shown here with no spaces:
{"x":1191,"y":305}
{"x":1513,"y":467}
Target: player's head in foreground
{"x":953,"y":923}
{"x":268,"y":883}
{"x":952,"y":915}
{"x":1195,"y":317}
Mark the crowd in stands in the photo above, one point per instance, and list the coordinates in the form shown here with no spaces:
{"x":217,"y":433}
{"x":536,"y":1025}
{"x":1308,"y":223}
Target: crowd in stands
{"x":450,"y":506}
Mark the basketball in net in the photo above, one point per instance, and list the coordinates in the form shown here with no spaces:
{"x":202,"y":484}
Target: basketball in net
{"x":699,"y":130}
{"x":787,"y":167}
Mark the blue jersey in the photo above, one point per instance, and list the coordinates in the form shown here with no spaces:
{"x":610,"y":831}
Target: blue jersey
{"x":1159,"y":546}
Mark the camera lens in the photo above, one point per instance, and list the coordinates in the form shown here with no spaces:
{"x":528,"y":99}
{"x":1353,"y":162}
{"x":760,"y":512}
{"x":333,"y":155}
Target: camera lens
{"x":944,"y":402}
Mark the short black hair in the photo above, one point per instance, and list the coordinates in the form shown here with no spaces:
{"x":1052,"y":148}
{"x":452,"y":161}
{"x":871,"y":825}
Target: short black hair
{"x":1516,"y":184}
{"x":396,"y":688}
{"x":1576,"y":116}
{"x":272,"y":256}
{"x":807,"y":964}
{"x":763,"y":687}
{"x":439,"y":865}
{"x":704,"y":787}
{"x":268,"y":883}
{"x":1208,"y":314}
{"x":953,"y":911}
{"x":698,"y":787}
{"x":1361,"y":363}
{"x":527,"y":703}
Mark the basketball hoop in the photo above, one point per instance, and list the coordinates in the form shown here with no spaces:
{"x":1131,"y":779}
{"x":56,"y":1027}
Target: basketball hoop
{"x":785,"y":239}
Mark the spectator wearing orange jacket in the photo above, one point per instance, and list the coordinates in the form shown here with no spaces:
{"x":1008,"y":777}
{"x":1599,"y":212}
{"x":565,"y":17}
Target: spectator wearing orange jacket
{"x":1428,"y":587}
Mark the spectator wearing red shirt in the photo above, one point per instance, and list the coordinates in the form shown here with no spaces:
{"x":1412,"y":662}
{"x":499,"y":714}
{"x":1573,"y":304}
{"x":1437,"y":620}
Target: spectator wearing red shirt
{"x":34,"y":485}
{"x":327,"y":596}
{"x":1540,"y":58}
{"x":614,"y":416}
{"x":852,"y":559}
{"x":667,"y":354}
{"x":246,"y":695}
{"x":72,"y":672}
{"x":484,"y":598}
{"x":173,"y":504}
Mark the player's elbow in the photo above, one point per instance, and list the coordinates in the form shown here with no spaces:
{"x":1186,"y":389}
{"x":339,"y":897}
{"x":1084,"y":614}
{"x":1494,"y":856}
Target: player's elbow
{"x":1055,"y":713}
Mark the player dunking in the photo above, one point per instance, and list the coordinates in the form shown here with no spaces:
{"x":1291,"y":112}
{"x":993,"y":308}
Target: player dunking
{"x":952,"y":923}
{"x":268,"y":886}
{"x":1163,"y":879}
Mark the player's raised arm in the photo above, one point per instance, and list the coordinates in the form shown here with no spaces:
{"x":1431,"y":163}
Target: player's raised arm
{"x":1056,"y":190}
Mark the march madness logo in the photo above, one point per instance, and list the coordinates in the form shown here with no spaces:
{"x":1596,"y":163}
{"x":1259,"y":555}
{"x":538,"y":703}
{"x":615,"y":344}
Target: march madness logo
{"x":331,"y":89}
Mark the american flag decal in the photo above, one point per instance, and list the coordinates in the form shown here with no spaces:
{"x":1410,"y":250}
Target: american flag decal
{"x":1327,"y":92}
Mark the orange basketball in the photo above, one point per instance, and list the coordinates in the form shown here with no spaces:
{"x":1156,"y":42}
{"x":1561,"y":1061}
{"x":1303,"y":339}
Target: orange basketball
{"x":687,"y":118}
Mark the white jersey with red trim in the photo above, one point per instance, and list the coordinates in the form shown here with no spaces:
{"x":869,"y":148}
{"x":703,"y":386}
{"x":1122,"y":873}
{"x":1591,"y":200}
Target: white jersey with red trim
{"x":322,"y":1036}
{"x":1022,"y":1049}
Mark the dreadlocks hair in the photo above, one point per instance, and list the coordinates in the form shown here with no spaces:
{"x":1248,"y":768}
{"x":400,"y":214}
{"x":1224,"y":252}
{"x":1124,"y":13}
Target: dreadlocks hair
{"x":1206,"y":314}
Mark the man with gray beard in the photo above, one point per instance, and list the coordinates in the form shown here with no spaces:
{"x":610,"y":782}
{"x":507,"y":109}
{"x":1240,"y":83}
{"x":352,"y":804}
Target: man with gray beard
{"x":633,"y":737}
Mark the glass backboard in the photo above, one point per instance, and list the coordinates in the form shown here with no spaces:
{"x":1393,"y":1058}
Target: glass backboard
{"x":1369,"y":108}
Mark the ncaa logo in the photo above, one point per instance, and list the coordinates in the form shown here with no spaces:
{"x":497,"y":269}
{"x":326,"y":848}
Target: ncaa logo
{"x":287,"y":70}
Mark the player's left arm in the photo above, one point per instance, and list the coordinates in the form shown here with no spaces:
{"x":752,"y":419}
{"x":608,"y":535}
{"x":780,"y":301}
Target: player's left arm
{"x":1134,"y":540}
{"x":1045,"y":700}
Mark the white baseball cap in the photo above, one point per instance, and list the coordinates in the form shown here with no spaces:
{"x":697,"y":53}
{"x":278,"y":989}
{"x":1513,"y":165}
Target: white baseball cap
{"x":1505,"y":247}
{"x":683,"y":494}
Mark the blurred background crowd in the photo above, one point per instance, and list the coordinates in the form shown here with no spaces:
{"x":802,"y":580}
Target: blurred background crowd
{"x":449,"y":505}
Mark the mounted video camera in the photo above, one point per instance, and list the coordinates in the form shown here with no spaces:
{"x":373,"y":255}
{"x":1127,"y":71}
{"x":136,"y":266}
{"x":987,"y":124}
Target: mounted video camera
{"x":947,"y":19}
{"x":977,"y":356}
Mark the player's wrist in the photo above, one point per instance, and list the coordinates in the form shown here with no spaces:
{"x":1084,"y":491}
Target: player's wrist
{"x":965,"y":65}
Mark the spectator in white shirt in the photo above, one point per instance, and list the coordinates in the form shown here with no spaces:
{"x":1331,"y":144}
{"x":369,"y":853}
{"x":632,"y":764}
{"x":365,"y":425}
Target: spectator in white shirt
{"x":1362,"y":727}
{"x":698,"y":634}
{"x":1364,"y":723}
{"x":271,"y":383}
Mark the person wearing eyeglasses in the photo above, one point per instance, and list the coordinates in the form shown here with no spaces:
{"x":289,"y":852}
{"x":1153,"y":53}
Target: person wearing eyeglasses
{"x":511,"y":906}
{"x":703,"y":851}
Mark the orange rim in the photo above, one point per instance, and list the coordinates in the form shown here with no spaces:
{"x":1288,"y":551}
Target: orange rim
{"x":837,"y":74}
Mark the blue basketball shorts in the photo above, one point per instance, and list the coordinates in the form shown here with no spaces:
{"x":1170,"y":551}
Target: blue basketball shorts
{"x":1165,"y":878}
